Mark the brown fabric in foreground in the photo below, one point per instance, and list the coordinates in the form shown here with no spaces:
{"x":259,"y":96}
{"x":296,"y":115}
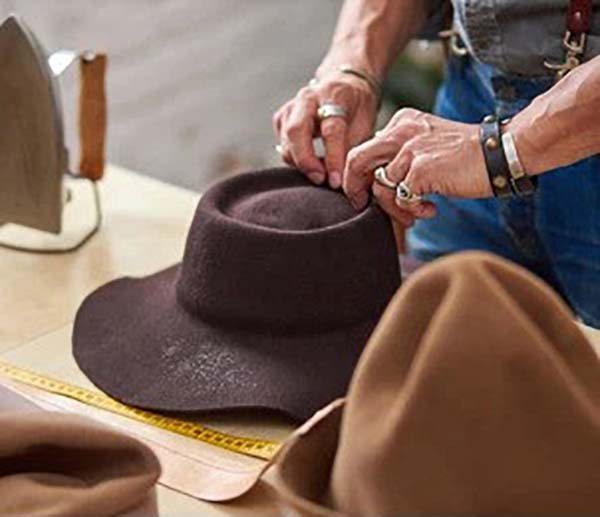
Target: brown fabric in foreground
{"x":476,"y":395}
{"x":59,"y":464}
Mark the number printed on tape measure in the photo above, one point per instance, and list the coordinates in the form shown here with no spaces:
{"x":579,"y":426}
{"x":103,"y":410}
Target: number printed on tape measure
{"x":255,"y":447}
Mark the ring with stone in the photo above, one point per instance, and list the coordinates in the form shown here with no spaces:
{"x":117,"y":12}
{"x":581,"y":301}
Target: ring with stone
{"x":331,"y":110}
{"x":380,"y":176}
{"x":405,"y":194}
{"x":279,"y":149}
{"x":313,"y":82}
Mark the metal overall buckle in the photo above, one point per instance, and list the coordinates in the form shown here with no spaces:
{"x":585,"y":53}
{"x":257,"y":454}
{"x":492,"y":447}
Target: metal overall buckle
{"x":454,"y":44}
{"x":575,"y":48}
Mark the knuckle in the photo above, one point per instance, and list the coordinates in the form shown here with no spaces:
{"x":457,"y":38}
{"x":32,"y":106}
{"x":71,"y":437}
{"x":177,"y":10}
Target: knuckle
{"x":418,"y":169}
{"x":335,"y":86}
{"x":354,"y":160}
{"x":332,"y":128}
{"x":409,"y":112}
{"x":305,"y":92}
{"x":404,"y":113}
{"x":303,"y":161}
{"x":294,"y":130}
{"x":407,"y":153}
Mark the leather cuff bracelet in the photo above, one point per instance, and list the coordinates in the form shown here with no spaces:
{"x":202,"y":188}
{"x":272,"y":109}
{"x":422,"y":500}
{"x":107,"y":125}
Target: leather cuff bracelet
{"x":495,"y":160}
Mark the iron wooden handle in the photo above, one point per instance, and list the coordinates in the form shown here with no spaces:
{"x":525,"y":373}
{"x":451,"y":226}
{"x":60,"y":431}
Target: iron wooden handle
{"x":92,"y":115}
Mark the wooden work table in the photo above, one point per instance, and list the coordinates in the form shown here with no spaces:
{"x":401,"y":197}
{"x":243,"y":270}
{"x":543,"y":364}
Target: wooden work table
{"x":144,"y":230}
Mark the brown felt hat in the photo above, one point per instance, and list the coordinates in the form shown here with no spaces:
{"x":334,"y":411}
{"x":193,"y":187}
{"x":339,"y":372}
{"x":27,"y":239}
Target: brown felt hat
{"x":476,"y":395}
{"x":59,"y":464}
{"x":280,"y":286}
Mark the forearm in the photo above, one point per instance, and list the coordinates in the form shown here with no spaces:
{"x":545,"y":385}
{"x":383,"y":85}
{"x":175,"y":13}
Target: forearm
{"x":561,"y":126}
{"x":370,"y":34}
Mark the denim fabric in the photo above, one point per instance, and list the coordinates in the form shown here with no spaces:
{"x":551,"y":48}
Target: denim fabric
{"x":555,"y":232}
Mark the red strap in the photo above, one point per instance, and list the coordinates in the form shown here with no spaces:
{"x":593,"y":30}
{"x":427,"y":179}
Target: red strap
{"x":579,"y":16}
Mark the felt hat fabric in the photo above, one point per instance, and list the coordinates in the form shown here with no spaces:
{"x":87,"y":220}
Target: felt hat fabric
{"x":65,"y":465}
{"x":477,"y":394}
{"x":280,"y":286}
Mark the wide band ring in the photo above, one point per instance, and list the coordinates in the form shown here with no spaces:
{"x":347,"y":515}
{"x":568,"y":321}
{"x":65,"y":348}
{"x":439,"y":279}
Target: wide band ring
{"x":331,"y":110}
{"x":380,"y":176}
{"x":405,"y":194}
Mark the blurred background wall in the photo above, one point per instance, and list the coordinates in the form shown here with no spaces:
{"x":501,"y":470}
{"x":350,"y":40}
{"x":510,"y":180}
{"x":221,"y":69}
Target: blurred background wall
{"x":192,"y":84}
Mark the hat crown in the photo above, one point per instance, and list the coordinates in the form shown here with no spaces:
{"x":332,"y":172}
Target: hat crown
{"x":476,"y":395}
{"x":294,"y":208}
{"x":270,"y":251}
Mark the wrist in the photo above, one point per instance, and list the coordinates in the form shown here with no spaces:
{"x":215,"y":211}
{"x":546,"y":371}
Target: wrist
{"x":477,"y":163}
{"x":537,"y":140}
{"x":356,"y":53}
{"x":526,"y":147}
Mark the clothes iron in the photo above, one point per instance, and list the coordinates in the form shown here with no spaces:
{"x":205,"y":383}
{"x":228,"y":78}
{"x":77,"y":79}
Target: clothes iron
{"x":34,"y":160}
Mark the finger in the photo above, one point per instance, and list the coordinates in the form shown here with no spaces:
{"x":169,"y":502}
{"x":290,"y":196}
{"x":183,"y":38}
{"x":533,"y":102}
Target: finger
{"x":360,"y":164}
{"x":360,"y":130}
{"x":412,"y":176}
{"x":419,"y":210}
{"x":297,"y":131}
{"x":277,"y":119}
{"x":385,"y":199}
{"x":334,"y":135}
{"x":285,"y":154}
{"x":282,"y":148}
{"x":398,"y":168}
{"x":400,"y":236}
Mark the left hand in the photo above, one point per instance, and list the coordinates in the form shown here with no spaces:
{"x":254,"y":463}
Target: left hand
{"x":430,"y":154}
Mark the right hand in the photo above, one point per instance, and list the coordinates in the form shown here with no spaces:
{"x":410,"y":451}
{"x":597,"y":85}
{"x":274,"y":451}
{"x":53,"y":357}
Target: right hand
{"x":296,"y":124}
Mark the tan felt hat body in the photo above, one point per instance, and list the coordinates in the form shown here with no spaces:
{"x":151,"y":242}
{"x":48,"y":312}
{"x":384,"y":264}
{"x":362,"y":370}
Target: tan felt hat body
{"x":476,"y":395}
{"x":65,"y":465}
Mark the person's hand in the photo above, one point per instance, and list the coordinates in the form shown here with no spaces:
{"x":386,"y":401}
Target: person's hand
{"x":296,"y":124}
{"x":430,"y":154}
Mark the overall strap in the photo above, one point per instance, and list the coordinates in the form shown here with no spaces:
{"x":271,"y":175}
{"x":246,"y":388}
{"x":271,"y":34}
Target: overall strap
{"x":578,"y":25}
{"x":579,"y":17}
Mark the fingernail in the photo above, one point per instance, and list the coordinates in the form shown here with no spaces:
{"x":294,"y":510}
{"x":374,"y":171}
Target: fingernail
{"x":335,"y":180}
{"x":316,"y":177}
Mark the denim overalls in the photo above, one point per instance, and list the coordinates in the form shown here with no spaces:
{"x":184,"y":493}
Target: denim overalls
{"x":555,"y":233}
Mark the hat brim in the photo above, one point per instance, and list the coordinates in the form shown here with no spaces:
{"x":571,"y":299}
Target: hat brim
{"x":302,"y":469}
{"x":137,"y":344}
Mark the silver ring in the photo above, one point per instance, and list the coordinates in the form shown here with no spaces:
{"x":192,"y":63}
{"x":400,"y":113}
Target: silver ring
{"x":405,"y":194}
{"x":331,"y":110}
{"x":279,"y":149}
{"x":380,"y":175}
{"x":313,"y":82}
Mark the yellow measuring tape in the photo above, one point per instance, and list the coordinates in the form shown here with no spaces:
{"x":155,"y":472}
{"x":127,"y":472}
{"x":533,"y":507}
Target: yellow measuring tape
{"x":257,"y":448}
